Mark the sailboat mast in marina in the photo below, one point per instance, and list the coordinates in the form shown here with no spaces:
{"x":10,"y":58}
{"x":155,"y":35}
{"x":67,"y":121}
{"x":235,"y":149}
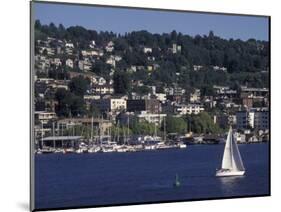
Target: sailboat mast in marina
{"x":232,"y":164}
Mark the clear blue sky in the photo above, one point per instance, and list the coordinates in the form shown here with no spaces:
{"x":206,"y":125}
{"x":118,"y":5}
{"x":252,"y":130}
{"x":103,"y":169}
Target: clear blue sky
{"x":120,"y":20}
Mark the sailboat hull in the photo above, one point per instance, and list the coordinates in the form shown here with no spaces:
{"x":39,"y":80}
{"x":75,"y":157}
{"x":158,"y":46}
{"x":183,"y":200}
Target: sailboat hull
{"x":229,"y":173}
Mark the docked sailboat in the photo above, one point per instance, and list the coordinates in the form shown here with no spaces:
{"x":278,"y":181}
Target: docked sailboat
{"x":232,"y":164}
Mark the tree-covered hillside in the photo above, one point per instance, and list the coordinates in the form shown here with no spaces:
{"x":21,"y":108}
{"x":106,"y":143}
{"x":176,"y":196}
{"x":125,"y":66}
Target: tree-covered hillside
{"x":245,"y":62}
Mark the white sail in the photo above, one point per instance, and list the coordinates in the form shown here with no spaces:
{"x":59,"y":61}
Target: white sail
{"x":236,"y":157}
{"x":232,"y":164}
{"x":231,"y":157}
{"x":227,"y":155}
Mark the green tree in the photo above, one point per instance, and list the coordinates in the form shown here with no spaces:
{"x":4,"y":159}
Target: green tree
{"x":142,"y":128}
{"x":121,"y":82}
{"x":176,"y":125}
{"x":94,"y":111}
{"x":79,"y":85}
{"x":207,"y":90}
{"x":77,"y":106}
{"x":202,"y":123}
{"x":101,"y":68}
{"x":69,"y":104}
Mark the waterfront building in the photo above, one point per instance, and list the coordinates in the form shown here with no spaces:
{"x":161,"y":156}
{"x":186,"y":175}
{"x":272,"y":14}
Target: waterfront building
{"x":261,"y":119}
{"x":103,"y":125}
{"x":151,"y":117}
{"x":254,"y":118}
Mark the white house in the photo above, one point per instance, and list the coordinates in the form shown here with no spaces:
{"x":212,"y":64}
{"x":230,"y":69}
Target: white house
{"x":92,"y":44}
{"x":111,"y":61}
{"x":56,"y":61}
{"x":218,"y":68}
{"x":188,"y":109}
{"x":101,"y":81}
{"x":195,"y":96}
{"x":110,"y":46}
{"x":162,"y":97}
{"x":117,"y":58}
{"x":147,"y":50}
{"x":69,"y":63}
{"x":69,"y":45}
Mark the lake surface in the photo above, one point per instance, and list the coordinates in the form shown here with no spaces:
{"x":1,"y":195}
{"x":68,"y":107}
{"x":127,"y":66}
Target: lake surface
{"x":74,"y":180}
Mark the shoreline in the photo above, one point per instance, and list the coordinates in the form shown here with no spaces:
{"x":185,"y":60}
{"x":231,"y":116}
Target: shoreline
{"x":128,"y":148}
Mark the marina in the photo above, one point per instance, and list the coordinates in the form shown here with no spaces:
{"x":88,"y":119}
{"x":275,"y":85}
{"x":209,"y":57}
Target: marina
{"x":128,"y":143}
{"x":74,"y":144}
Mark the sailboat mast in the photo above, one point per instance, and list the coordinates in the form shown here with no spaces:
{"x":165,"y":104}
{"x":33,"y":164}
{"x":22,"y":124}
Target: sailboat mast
{"x":54,"y":142}
{"x":42,"y":130}
{"x":124,"y":135}
{"x":92,"y":125}
{"x":58,"y":128}
{"x":101,"y":130}
{"x":164,"y":129}
{"x":128,"y":130}
{"x":118,"y":131}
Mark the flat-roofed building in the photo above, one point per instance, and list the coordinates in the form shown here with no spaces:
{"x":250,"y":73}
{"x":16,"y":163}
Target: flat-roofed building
{"x":149,"y":105}
{"x":255,"y":118}
{"x":188,"y":109}
{"x":111,"y":105}
{"x":44,"y":117}
{"x":152,"y":117}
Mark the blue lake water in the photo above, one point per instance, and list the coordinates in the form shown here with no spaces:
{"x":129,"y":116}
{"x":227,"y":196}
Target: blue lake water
{"x":75,"y":180}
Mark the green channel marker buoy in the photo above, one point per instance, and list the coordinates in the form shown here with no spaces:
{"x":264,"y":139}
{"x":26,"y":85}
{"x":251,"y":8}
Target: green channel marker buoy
{"x":177,"y":182}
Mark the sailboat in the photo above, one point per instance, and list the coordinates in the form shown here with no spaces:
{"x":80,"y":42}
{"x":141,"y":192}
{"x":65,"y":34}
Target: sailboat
{"x":232,"y":164}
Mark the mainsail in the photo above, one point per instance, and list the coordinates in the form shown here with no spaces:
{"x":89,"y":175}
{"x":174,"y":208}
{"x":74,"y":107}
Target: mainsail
{"x":227,"y":155}
{"x":231,"y":156}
